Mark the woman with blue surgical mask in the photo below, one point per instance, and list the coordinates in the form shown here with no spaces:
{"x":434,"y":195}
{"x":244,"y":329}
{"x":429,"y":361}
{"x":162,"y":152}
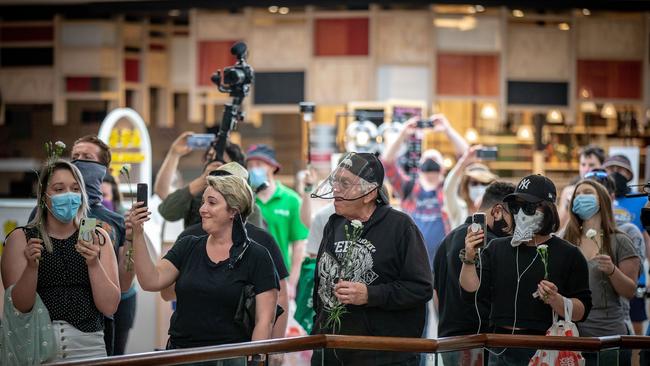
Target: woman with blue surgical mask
{"x":47,"y":266}
{"x":612,"y":259}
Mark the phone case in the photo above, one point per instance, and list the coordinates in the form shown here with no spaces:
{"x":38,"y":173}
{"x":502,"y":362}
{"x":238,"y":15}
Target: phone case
{"x":143,"y":194}
{"x":85,"y":230}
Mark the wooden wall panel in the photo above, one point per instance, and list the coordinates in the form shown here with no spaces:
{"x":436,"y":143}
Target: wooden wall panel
{"x":610,"y":79}
{"x":468,"y":75}
{"x":220,"y":26}
{"x":157,"y":69}
{"x":213,"y":55}
{"x":339,"y":81}
{"x":276,"y":44}
{"x":32,"y":85}
{"x":403,"y":37}
{"x":89,"y":61}
{"x":485,"y":36}
{"x":132,"y":34}
{"x":614,"y":39}
{"x":180,"y":62}
{"x":538,"y":53}
{"x":341,"y":37}
{"x":89,"y":34}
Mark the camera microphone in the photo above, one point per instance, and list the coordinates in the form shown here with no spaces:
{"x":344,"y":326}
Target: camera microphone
{"x":238,"y":49}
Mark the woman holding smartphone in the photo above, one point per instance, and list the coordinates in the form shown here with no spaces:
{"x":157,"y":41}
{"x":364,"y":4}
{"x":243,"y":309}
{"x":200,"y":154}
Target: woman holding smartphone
{"x":76,"y":280}
{"x":211,"y":271}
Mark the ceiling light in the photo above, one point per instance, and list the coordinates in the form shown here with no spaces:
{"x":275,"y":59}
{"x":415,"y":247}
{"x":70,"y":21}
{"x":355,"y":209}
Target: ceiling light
{"x":517,"y":13}
{"x":464,"y":23}
{"x":471,"y":9}
{"x":283,"y":10}
{"x":564,"y":26}
{"x":525,"y":133}
{"x":488,"y":111}
{"x":273,"y":9}
{"x":479,"y":8}
{"x":174,"y":13}
{"x":448,"y":163}
{"x":361,"y":137}
{"x":608,"y":111}
{"x":588,"y":107}
{"x":584,"y":93}
{"x":471,"y":135}
{"x":554,"y":116}
{"x":586,"y":12}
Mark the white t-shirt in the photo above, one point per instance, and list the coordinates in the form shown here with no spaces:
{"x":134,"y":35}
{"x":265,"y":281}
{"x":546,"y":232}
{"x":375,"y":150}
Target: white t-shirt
{"x":316,"y":228}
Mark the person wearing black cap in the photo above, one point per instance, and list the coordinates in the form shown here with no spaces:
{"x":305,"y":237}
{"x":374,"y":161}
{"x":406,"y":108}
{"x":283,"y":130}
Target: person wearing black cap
{"x":526,"y":283}
{"x":372,"y":276}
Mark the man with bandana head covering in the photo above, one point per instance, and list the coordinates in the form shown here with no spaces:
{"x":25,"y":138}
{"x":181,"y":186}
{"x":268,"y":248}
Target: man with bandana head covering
{"x":527,"y":275}
{"x":372,"y":268}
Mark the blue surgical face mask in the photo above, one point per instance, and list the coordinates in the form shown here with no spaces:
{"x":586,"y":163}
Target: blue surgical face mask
{"x":585,"y":206}
{"x":65,"y":206}
{"x":257,"y":177}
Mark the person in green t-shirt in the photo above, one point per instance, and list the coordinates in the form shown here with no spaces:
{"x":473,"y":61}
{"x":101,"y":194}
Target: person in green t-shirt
{"x":280,"y":208}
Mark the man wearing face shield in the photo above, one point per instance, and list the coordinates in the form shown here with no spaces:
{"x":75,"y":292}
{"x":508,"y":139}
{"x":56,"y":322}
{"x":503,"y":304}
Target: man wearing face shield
{"x":527,"y":275}
{"x":457,"y":316}
{"x":372,"y":263}
{"x":620,"y":169}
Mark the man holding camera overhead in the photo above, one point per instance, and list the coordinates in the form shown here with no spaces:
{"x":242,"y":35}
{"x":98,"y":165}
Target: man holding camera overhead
{"x":421,"y":195}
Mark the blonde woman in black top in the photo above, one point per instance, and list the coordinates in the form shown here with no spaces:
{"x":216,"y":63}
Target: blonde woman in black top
{"x":76,"y":280}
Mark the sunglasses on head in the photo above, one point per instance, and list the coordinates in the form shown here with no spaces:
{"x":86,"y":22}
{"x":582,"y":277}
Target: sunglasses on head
{"x":600,"y":175}
{"x":529,"y":208}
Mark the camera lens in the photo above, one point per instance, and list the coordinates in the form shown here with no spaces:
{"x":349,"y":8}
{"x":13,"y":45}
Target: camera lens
{"x":232,"y":76}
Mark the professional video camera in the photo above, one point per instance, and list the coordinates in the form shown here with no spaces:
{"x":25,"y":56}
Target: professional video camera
{"x":236,"y":81}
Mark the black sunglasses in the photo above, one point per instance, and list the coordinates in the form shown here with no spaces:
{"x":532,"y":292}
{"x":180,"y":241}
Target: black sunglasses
{"x":528,"y":207}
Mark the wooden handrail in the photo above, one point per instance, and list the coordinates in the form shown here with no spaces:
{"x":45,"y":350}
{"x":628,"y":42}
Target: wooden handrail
{"x":396,"y":344}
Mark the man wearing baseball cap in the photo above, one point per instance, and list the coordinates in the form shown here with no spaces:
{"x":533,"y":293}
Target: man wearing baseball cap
{"x":620,"y":170}
{"x":280,"y":208}
{"x":529,"y":274}
{"x":372,"y":265}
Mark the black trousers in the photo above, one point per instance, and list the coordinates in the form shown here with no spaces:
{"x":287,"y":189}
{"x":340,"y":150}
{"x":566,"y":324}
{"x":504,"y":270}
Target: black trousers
{"x":124,"y":319}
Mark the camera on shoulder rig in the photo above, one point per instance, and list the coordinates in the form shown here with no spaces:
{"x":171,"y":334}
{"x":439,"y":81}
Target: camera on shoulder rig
{"x":235,"y":80}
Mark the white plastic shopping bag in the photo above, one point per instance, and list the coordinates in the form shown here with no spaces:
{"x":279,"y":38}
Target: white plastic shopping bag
{"x":562,"y":328}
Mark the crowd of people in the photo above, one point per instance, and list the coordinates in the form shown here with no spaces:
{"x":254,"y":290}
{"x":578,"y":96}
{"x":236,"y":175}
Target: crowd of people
{"x":474,"y":251}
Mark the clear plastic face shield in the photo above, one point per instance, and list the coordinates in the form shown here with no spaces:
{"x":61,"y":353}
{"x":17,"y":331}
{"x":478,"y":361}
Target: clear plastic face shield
{"x":349,"y":180}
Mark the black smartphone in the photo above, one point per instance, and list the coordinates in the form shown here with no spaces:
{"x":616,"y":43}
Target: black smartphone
{"x":143,"y":194}
{"x":478,"y":220}
{"x":426,"y":123}
{"x":487,"y":153}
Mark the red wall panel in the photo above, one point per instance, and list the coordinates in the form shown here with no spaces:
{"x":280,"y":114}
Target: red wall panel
{"x":213,"y":55}
{"x":341,"y":37}
{"x":610,"y":79}
{"x":132,"y":70}
{"x":468,"y":75}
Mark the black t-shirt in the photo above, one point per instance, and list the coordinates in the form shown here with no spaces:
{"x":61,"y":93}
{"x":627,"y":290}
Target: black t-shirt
{"x":457,"y":316}
{"x":208,"y":293}
{"x":260,"y":236}
{"x":567,"y":269}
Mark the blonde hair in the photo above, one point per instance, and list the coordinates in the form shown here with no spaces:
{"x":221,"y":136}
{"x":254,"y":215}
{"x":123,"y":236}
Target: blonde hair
{"x":236,"y":191}
{"x":38,"y":222}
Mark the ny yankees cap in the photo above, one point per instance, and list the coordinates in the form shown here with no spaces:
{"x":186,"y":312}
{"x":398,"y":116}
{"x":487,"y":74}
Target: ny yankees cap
{"x":534,"y":188}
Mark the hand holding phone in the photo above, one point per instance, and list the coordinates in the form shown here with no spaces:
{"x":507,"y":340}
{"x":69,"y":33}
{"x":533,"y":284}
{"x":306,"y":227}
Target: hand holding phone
{"x":143,"y":194}
{"x":200,"y":141}
{"x":86,"y":229}
{"x":478,"y":223}
{"x":487,"y":153}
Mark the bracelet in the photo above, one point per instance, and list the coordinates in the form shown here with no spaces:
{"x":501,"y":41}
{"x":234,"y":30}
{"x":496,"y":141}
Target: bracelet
{"x":614,"y":270}
{"x":461,"y":256}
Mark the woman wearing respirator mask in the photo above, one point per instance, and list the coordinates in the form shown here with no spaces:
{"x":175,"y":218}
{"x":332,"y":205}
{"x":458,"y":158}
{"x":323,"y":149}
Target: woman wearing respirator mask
{"x":521,"y":284}
{"x":613,"y":261}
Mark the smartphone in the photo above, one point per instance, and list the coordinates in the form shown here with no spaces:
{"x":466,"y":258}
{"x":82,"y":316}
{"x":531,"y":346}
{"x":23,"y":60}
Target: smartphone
{"x":143,"y":194}
{"x":479,"y":219}
{"x":200,"y":141}
{"x":487,"y":153}
{"x":426,"y":123}
{"x":85,"y":230}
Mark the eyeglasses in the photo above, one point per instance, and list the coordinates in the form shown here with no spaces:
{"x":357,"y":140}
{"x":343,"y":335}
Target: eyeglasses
{"x":529,"y":208}
{"x":342,"y":183}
